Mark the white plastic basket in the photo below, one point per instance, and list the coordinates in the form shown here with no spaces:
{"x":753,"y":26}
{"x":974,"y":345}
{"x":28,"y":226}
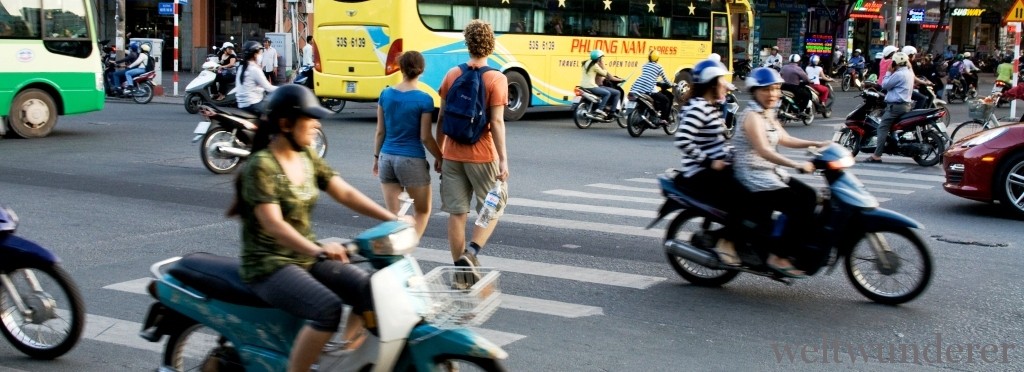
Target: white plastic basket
{"x":449,"y":306}
{"x":978,"y":109}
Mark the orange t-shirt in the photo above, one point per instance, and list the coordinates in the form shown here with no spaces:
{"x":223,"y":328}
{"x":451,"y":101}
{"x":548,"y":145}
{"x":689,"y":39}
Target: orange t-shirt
{"x":483,"y":151}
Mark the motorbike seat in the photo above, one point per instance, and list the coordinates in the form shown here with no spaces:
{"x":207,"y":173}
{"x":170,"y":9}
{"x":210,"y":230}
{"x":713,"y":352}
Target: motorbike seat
{"x":787,"y":93}
{"x":917,"y":113}
{"x":240,"y":113}
{"x":215,"y":276}
{"x":690,"y":197}
{"x":146,"y":76}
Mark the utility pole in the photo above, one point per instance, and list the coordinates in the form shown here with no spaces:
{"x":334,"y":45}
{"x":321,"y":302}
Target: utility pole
{"x":890,"y":38}
{"x":119,"y":40}
{"x":903,"y":22}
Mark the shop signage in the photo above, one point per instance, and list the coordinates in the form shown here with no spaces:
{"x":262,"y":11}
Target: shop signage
{"x":165,"y":9}
{"x":933,"y":26}
{"x":867,"y":6}
{"x":915,"y":15}
{"x":865,"y":15}
{"x":966,"y":12}
{"x":820,"y":44}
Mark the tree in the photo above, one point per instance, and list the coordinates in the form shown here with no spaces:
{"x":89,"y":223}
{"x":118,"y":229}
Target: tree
{"x":944,"y":8}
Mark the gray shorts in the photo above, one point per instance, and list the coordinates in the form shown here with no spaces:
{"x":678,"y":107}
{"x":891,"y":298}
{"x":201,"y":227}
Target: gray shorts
{"x":463,"y":182}
{"x":403,"y":170}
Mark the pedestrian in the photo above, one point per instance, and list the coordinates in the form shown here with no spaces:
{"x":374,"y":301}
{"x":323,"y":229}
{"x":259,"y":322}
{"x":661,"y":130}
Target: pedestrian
{"x":269,"y":61}
{"x":403,"y":131}
{"x":307,"y":51}
{"x":469,"y":171}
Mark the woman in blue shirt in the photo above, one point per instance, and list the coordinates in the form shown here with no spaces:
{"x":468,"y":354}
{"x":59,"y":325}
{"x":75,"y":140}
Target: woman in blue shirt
{"x":403,"y":131}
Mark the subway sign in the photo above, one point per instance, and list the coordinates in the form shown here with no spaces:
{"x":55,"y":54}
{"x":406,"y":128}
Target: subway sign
{"x":966,"y":12}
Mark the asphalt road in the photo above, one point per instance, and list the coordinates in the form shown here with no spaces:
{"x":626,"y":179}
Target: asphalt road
{"x":587,"y":288}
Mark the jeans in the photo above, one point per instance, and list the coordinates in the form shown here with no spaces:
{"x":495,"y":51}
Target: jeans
{"x":602,"y":92}
{"x":920,"y":100}
{"x":318,"y":293}
{"x":131,"y":74}
{"x":893,"y":112}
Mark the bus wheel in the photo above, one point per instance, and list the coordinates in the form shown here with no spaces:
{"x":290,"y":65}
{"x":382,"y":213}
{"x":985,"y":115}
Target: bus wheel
{"x":518,"y":96}
{"x":33,"y":114}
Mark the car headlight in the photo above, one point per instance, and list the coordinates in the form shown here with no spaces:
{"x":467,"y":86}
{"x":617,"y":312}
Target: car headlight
{"x":397,"y":243}
{"x":983,"y":137}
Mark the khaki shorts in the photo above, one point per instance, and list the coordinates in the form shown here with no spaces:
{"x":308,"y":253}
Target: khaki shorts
{"x":462,"y":182}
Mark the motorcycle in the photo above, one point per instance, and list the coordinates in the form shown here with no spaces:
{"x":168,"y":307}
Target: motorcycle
{"x":43,"y":313}
{"x":875,"y":244}
{"x":789,"y":110}
{"x":585,"y":104}
{"x":643,"y":115}
{"x":740,"y":68}
{"x":1001,"y":87}
{"x":935,"y":103}
{"x":226,"y":138}
{"x":305,"y":78}
{"x":919,"y":134}
{"x":144,"y":89}
{"x":418,"y":322}
{"x":199,"y":91}
{"x":958,"y":89}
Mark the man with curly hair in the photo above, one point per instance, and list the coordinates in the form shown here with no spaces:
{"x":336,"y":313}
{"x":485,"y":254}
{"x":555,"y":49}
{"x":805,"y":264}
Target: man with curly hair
{"x":469,"y":171}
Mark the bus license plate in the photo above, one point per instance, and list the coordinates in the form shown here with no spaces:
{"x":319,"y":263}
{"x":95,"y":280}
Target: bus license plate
{"x":202,"y":127}
{"x":836,"y":135}
{"x":350,"y":87}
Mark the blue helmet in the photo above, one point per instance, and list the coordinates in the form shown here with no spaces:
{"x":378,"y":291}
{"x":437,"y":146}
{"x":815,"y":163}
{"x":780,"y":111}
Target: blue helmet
{"x":707,"y":70}
{"x":596,"y":54}
{"x":762,"y":77}
{"x":815,"y":60}
{"x":134,"y":46}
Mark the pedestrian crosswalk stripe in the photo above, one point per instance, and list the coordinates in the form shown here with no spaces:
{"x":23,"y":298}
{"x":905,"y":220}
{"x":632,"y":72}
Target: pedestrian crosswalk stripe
{"x":137,"y":286}
{"x":520,"y":202}
{"x":817,"y":182}
{"x":897,"y":184}
{"x":560,"y":223}
{"x":498,"y":337}
{"x":643,"y":180}
{"x":580,"y":194}
{"x":888,"y":174}
{"x":536,"y":305}
{"x":625,"y":188}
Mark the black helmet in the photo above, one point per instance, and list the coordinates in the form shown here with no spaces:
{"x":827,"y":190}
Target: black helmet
{"x":250,"y":49}
{"x":295,"y":100}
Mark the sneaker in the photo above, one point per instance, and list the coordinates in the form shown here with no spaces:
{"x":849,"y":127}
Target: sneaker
{"x":600,"y":112}
{"x":466,"y":278}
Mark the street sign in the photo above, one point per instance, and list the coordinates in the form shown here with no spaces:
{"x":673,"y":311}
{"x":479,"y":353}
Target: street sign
{"x":1016,"y":13}
{"x":165,"y":9}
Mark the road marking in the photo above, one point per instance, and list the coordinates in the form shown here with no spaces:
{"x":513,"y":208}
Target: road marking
{"x":8,"y":369}
{"x":118,"y":332}
{"x":137,"y":286}
{"x":908,"y":176}
{"x":815,"y":181}
{"x":536,"y":305}
{"x":582,"y":208}
{"x":643,"y":180}
{"x":560,"y":223}
{"x":624,"y":188}
{"x":580,"y":194}
{"x":498,"y":337}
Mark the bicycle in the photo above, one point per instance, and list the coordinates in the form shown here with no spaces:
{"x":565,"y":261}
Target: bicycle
{"x":982,"y":116}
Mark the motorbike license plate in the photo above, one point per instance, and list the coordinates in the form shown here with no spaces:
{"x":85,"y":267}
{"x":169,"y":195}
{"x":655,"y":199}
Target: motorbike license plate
{"x":202,"y":127}
{"x":576,"y":99}
{"x":630,"y":105}
{"x":350,"y":87}
{"x":836,"y":135}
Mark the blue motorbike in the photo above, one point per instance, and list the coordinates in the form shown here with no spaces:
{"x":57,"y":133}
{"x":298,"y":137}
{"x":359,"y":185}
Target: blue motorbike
{"x":41,"y":311}
{"x":885,"y":259}
{"x":420,"y":320}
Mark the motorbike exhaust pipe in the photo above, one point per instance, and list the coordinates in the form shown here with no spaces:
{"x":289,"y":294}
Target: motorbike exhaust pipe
{"x":683,"y":249}
{"x":233,"y":151}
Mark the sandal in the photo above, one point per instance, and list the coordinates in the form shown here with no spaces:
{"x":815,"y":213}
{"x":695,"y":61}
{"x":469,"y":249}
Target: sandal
{"x":788,"y":271}
{"x":872,"y":160}
{"x":727,"y":256}
{"x":346,"y":345}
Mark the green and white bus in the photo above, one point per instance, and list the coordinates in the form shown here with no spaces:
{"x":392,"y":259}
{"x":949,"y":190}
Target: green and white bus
{"x":49,"y":63}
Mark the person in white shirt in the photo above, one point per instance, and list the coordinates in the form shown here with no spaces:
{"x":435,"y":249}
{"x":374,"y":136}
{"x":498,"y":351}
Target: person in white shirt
{"x":774,"y":60}
{"x":269,"y":60}
{"x":251,"y":82}
{"x":307,"y":52}
{"x":816,"y":74}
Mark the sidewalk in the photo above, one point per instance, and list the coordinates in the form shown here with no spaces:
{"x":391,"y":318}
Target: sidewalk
{"x":167,"y":81}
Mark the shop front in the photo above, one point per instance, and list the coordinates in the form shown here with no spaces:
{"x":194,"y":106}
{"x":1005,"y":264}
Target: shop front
{"x":780,"y":23}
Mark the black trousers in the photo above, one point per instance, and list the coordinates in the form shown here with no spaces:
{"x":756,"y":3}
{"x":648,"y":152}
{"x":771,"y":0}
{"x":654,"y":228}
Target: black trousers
{"x":800,"y":94}
{"x":797,"y":203}
{"x":663,"y":103}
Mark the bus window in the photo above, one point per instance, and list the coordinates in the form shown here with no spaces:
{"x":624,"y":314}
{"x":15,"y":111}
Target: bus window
{"x":691,"y":22}
{"x":647,"y":23}
{"x":447,"y":15}
{"x":22,"y":17}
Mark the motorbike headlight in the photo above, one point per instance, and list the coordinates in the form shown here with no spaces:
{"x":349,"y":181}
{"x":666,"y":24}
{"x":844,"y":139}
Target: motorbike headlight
{"x":843,"y":162}
{"x":732,"y":107}
{"x":395,"y":244}
{"x":983,"y":137}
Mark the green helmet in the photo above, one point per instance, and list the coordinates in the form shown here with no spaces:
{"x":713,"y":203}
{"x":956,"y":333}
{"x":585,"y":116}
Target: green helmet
{"x":959,"y":57}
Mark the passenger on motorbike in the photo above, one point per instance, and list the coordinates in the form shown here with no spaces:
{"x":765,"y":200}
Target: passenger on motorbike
{"x":795,"y":77}
{"x":886,"y":61}
{"x":899,"y":84}
{"x":759,"y":168}
{"x":929,"y":69}
{"x":774,"y":60}
{"x":706,"y":156}
{"x":593,"y":69}
{"x":955,"y":77}
{"x":920,"y":99}
{"x":274,"y":197}
{"x":816,"y":74}
{"x":132,"y":60}
{"x":650,"y":74}
{"x":226,"y":71}
{"x":251,"y":82}
{"x":969,"y":71}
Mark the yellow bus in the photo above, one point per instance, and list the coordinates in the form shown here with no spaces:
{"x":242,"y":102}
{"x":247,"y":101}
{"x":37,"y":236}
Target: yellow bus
{"x":540,"y":44}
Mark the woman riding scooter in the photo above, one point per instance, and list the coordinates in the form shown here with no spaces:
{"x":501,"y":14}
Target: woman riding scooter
{"x":251,"y":82}
{"x":591,"y":71}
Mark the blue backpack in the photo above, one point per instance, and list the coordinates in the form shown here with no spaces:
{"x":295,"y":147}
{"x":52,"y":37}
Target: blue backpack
{"x":954,"y":70}
{"x":465,"y":106}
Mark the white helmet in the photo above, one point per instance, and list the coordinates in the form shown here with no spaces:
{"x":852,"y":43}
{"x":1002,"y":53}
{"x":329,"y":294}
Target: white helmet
{"x":227,"y":44}
{"x":715,"y":57}
{"x":900,"y":59}
{"x":889,"y":49}
{"x":857,"y":51}
{"x":794,"y":58}
{"x":908,"y":50}
{"x":967,"y":54}
{"x":839,"y":54}
{"x":815,"y":59}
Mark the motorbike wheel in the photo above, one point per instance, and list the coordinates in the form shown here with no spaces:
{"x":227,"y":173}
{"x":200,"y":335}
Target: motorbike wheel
{"x":635,"y":124}
{"x":850,"y":140}
{"x":688,"y":224}
{"x":143,"y":93}
{"x":212,"y":159}
{"x":199,"y":348}
{"x":333,"y":104}
{"x":810,"y":115}
{"x":965,"y":129}
{"x":938,"y":147}
{"x":192,"y":102}
{"x":846,"y":83}
{"x":580,"y":116}
{"x":458,"y":363}
{"x":320,"y":143}
{"x":673,"y":124}
{"x":619,"y":120}
{"x":58,"y":312}
{"x":827,"y":113}
{"x":889,"y":284}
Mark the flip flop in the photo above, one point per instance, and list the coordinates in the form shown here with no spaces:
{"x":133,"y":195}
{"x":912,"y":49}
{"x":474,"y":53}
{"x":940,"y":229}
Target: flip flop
{"x":728,"y":259}
{"x":872,"y":160}
{"x":787,"y":271}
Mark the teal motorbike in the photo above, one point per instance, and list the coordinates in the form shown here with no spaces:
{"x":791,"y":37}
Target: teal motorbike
{"x":213,"y":320}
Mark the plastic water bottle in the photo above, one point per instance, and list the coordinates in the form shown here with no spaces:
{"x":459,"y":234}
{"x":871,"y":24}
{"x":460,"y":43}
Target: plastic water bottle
{"x":490,"y":207}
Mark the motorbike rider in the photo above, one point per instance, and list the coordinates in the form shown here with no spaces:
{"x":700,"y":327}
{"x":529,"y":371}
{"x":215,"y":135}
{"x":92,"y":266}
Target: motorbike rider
{"x":226,"y":71}
{"x":899,"y":83}
{"x":593,"y":69}
{"x":759,"y":168}
{"x":1004,"y":73}
{"x":921,"y":100}
{"x":251,"y":82}
{"x":886,"y":61}
{"x":136,"y":68}
{"x":129,"y":58}
{"x":857,"y":64}
{"x":794,"y":78}
{"x":650,"y":74}
{"x":274,"y":198}
{"x":774,"y":60}
{"x":839,"y":65}
{"x":706,"y":156}
{"x":969,"y":72}
{"x":929,"y":69}
{"x":955,"y":77}
{"x":816,"y":74}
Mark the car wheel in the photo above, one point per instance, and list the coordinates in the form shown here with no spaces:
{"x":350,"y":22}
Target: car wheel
{"x":1010,"y":186}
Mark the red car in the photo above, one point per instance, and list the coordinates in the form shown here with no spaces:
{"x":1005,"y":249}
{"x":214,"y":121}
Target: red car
{"x":988,"y":166}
